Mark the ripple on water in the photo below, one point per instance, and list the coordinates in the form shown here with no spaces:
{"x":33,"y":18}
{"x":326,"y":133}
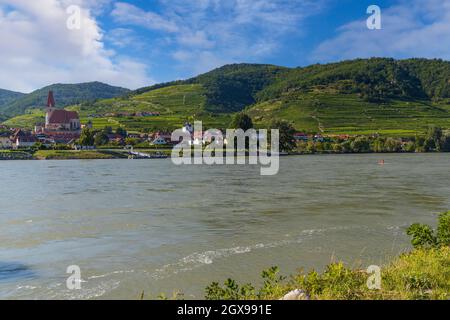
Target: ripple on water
{"x":12,"y":271}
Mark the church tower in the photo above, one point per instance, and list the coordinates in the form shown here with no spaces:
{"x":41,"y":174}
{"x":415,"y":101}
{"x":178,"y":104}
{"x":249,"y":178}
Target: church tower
{"x":50,"y":107}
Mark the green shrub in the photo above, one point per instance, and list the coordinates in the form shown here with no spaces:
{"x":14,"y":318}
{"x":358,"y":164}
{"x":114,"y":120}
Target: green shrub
{"x":443,"y":230}
{"x":423,"y":236}
{"x":231,"y":290}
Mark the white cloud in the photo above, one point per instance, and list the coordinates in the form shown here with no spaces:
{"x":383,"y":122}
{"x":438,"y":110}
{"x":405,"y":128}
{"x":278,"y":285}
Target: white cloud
{"x":204,"y":34}
{"x":409,"y":29}
{"x":130,"y":14}
{"x":122,"y":37}
{"x":38,"y":49}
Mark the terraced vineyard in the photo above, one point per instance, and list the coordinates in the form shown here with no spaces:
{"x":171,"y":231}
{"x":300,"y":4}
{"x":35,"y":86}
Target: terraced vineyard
{"x":28,"y":120}
{"x":176,"y":105}
{"x":347,"y":114}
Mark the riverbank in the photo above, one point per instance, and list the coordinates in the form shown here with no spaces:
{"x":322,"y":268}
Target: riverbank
{"x":65,"y":155}
{"x":420,"y":274}
{"x":15,"y":155}
{"x":107,"y":154}
{"x":70,"y":155}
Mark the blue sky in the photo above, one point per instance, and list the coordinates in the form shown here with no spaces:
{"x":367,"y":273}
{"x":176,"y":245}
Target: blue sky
{"x":133,"y":43}
{"x":289,"y":42}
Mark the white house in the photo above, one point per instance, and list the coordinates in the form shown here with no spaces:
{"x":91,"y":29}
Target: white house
{"x":159,"y":141}
{"x":25,"y":141}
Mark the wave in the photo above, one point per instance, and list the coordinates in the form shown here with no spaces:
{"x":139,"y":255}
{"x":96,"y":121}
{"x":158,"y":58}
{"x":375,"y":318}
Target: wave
{"x":196,"y":259}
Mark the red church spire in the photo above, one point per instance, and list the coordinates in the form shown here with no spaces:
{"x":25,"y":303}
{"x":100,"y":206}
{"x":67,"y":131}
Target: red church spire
{"x":51,"y":100}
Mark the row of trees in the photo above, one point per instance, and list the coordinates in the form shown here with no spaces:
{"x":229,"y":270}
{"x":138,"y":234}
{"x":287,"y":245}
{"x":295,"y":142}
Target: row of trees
{"x":286,"y":129}
{"x":91,"y":137}
{"x":435,"y":140}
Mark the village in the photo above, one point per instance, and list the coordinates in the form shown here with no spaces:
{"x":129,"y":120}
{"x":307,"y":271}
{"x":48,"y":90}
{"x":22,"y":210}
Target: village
{"x":63,"y":128}
{"x":64,"y":131}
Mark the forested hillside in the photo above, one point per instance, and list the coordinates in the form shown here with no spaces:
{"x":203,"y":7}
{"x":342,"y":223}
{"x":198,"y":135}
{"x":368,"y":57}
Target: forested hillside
{"x":7,"y":97}
{"x":65,"y":95}
{"x":363,"y":96}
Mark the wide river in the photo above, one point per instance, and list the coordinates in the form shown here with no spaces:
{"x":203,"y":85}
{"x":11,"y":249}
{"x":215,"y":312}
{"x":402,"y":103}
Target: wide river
{"x":147,"y":225}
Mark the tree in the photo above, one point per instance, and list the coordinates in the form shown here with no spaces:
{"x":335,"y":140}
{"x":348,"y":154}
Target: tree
{"x":445,"y":145}
{"x":420,"y":144}
{"x":101,"y":138}
{"x":360,"y":144}
{"x":346,"y":146}
{"x":378,"y":145}
{"x":434,"y":133}
{"x":430,"y":145}
{"x":311,"y":147}
{"x":433,"y":140}
{"x":410,"y":146}
{"x":108,"y":130}
{"x":393,"y":145}
{"x":86,"y":137}
{"x":287,"y":131}
{"x":131,"y":141}
{"x":241,"y":121}
{"x":121,"y":131}
{"x":337,"y":148}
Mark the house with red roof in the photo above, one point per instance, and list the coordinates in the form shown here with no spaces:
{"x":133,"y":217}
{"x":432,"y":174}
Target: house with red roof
{"x":23,"y":139}
{"x":301,"y":136}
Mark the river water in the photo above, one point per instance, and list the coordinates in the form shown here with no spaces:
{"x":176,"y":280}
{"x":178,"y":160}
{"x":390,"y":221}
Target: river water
{"x":147,"y":225}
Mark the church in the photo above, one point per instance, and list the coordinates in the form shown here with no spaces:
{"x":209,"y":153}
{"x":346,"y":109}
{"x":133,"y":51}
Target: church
{"x":59,"y":119}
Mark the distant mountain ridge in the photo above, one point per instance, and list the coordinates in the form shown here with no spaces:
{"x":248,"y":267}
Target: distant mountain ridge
{"x":233,"y":87}
{"x":7,"y":96}
{"x":65,"y":95}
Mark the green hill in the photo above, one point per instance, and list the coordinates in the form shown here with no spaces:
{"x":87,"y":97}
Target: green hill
{"x":175,"y":104}
{"x":363,"y":96}
{"x":360,"y":97}
{"x":232,"y":87}
{"x":7,"y":96}
{"x":374,"y":80}
{"x":65,"y":95}
{"x":27,"y":120}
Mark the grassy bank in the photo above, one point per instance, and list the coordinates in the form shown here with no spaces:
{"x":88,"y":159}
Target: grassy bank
{"x":424,"y":273}
{"x":14,"y":155}
{"x":420,"y":274}
{"x":71,"y":155}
